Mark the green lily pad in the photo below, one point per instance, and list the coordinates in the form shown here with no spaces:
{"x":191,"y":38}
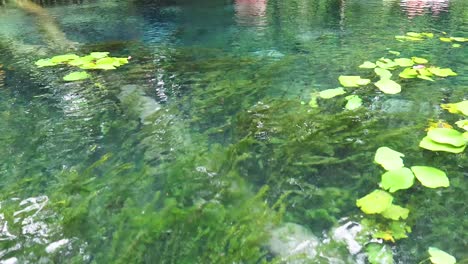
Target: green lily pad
{"x":428,"y":34}
{"x":445,"y":39}
{"x":64,"y":58}
{"x":442,"y":72}
{"x":388,"y":86}
{"x":408,"y":73}
{"x":367,"y":65}
{"x":447,"y":136}
{"x":81,"y":61}
{"x":330,"y":93}
{"x":375,"y":202}
{"x":430,"y":177}
{"x":459,"y":39}
{"x":408,"y":38}
{"x":419,"y":60}
{"x":313,"y":100}
{"x":379,"y":254}
{"x":45,"y":63}
{"x":354,"y":102}
{"x":424,"y":77}
{"x":427,"y":143}
{"x":398,"y":179}
{"x":457,"y":108}
{"x":388,"y":158}
{"x":404,"y":62}
{"x":395,"y":212}
{"x":76,"y":76}
{"x":463,"y":124}
{"x":440,"y":257}
{"x":99,"y":55}
{"x":352,"y":81}
{"x":456,"y":45}
{"x":397,"y":53}
{"x":385,"y":63}
{"x":383,"y":73}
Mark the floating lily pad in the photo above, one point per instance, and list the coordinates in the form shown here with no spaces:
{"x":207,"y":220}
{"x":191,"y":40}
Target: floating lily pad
{"x":383,"y":73}
{"x":330,"y":93}
{"x":427,"y":143}
{"x":398,"y":179}
{"x":409,"y":73}
{"x":397,"y":53}
{"x":430,"y":177}
{"x":379,"y":254}
{"x":388,"y":86}
{"x":375,"y":202}
{"x":463,"y":124}
{"x":395,"y":212}
{"x":440,"y":257}
{"x":99,"y":55}
{"x":45,"y":63}
{"x":352,"y":81}
{"x":442,"y":72}
{"x":424,"y":77}
{"x":408,"y":38}
{"x":385,"y":63}
{"x":457,"y":108}
{"x":354,"y":102}
{"x":64,"y":58}
{"x":81,"y":61}
{"x":447,"y":136}
{"x":313,"y":100}
{"x":76,"y":76}
{"x":445,"y":39}
{"x":459,"y":39}
{"x":404,"y":62}
{"x":367,"y":65}
{"x":456,"y":45}
{"x":388,"y":158}
{"x":419,"y":60}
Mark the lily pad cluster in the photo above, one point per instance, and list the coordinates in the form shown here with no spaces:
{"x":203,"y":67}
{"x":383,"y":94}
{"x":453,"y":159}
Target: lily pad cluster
{"x":353,"y":101}
{"x":418,"y":37}
{"x":448,"y":139}
{"x":415,"y":36}
{"x":92,"y":61}
{"x":397,"y":177}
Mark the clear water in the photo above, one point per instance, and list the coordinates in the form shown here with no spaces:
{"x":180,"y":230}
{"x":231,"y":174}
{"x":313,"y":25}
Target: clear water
{"x":200,"y":148}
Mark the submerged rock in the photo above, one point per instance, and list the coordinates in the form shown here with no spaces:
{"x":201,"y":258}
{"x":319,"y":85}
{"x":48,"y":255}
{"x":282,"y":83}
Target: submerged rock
{"x":138,"y":103}
{"x":291,"y":240}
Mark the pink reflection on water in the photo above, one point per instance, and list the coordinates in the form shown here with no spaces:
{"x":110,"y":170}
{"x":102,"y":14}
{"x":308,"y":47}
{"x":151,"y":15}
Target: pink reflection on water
{"x":251,"y":12}
{"x":420,"y":7}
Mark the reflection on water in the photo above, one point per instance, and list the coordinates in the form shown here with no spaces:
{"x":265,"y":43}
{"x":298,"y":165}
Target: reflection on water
{"x":251,"y":12}
{"x":420,"y":7}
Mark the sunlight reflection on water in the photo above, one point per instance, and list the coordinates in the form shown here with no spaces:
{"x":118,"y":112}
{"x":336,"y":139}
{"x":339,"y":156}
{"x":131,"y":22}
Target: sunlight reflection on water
{"x":420,"y":7}
{"x":251,"y":12}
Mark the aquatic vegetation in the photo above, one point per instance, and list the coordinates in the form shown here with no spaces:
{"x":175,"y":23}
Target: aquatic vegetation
{"x":444,"y":139}
{"x":389,"y":158}
{"x":353,"y":81}
{"x":430,"y":177}
{"x":457,"y":108}
{"x":415,"y":36}
{"x":330,"y":93}
{"x":76,"y":76}
{"x":353,"y":102}
{"x":375,"y":202}
{"x":397,"y":179}
{"x":93,"y":61}
{"x":438,"y":256}
{"x":388,"y":86}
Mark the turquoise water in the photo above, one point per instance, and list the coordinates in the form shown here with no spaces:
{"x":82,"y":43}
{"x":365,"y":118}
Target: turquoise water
{"x":204,"y":147}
